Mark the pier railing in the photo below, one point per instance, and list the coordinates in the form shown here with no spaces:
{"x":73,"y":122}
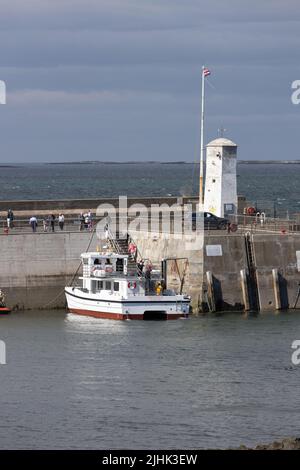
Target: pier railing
{"x":258,"y":224}
{"x":245,"y":223}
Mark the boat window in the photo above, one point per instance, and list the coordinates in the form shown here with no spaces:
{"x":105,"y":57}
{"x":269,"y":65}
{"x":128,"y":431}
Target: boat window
{"x":85,"y":261}
{"x":96,"y":261}
{"x":108,"y":285}
{"x":119,"y":265}
{"x":116,"y":286}
{"x":99,"y":285}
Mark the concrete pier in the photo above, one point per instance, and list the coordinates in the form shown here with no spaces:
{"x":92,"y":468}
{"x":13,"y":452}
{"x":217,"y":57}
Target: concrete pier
{"x":221,"y":271}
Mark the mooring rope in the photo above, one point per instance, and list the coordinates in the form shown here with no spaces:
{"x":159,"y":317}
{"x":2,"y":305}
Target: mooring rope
{"x":73,"y":277}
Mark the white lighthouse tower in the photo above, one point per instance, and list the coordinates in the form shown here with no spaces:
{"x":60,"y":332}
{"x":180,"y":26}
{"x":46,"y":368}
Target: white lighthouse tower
{"x":220,"y":181}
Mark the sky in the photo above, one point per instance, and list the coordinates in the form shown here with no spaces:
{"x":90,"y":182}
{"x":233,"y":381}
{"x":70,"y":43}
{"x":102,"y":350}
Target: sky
{"x":120,"y":80}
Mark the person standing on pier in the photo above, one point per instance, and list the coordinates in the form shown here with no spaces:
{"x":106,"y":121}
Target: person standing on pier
{"x":10,"y":218}
{"x":61,"y":221}
{"x":90,"y":220}
{"x":81,"y":221}
{"x":52,"y":221}
{"x":45,"y":224}
{"x":33,"y":223}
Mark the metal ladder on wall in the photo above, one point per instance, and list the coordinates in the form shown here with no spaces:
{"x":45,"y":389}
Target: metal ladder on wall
{"x":252,"y":279}
{"x":120,"y":246}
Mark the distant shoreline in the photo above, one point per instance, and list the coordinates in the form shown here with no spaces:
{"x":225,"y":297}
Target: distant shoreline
{"x":239,"y":162}
{"x":149,"y":162}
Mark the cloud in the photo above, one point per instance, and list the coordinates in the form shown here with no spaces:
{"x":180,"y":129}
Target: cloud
{"x":135,"y":64}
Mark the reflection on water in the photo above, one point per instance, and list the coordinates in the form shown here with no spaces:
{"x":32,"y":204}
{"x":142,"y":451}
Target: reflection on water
{"x":214,"y":381}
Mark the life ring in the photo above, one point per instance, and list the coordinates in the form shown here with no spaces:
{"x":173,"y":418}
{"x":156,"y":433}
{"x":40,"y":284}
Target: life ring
{"x":108,"y":269}
{"x":233,"y":227}
{"x":131,"y":285}
{"x":250,"y":210}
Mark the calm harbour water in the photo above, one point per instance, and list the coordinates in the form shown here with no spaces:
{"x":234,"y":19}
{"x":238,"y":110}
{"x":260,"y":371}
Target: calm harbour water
{"x":215,"y":381}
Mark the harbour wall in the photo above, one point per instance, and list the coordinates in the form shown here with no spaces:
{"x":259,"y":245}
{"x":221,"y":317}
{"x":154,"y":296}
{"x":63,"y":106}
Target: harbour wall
{"x":77,"y":205}
{"x":233,"y":271}
{"x":259,"y":271}
{"x":35,"y":268}
{"x":184,"y":260}
{"x":277,"y":260}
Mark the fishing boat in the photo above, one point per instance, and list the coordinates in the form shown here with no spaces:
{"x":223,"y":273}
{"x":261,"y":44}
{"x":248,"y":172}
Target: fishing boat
{"x":108,"y":289}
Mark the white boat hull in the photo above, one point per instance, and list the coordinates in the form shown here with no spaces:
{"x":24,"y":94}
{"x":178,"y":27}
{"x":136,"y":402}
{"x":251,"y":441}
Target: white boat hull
{"x":134,"y":308}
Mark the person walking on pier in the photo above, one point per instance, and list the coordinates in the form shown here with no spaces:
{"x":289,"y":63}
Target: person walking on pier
{"x":33,"y":223}
{"x":61,"y":221}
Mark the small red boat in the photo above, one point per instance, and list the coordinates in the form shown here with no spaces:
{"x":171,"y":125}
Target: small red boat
{"x":4,"y":310}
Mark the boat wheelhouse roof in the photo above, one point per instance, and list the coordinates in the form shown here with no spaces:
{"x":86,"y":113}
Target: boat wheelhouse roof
{"x":95,"y":254}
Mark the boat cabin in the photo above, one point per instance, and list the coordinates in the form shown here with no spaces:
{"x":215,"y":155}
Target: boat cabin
{"x":104,"y":264}
{"x":107,"y":273}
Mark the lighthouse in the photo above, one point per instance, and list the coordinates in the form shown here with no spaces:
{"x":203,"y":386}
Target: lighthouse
{"x":220,"y":197}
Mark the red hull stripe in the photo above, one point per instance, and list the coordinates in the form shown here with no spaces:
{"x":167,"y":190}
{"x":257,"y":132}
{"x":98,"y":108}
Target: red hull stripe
{"x":119,"y":316}
{"x":5,"y":310}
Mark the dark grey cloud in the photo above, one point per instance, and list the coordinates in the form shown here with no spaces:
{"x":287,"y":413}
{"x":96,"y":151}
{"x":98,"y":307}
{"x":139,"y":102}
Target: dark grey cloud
{"x":120,"y":79}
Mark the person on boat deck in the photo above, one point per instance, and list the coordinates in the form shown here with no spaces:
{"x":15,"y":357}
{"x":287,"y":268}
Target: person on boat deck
{"x":148,"y":278}
{"x":140,"y":267}
{"x":158,"y":289}
{"x":33,"y":223}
